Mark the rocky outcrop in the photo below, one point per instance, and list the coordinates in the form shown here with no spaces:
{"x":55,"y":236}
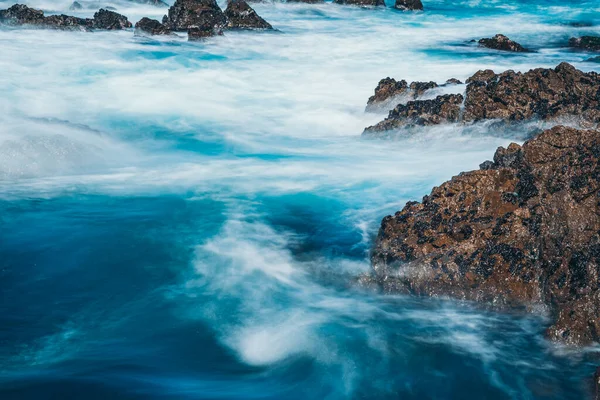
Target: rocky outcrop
{"x":540,"y":93}
{"x":389,"y":92}
{"x":503,"y":43}
{"x":110,"y":20}
{"x":67,"y":22}
{"x":201,"y":16}
{"x":524,"y":229}
{"x":147,"y":26}
{"x":202,"y":33}
{"x":408,"y":5}
{"x":362,"y":3}
{"x":20,"y":14}
{"x":241,"y":16}
{"x":442,"y":109}
{"x":562,"y":93}
{"x":590,"y":43}
{"x":76,"y":6}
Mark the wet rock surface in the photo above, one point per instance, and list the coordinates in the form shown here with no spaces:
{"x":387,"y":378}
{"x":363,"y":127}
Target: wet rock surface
{"x":20,"y":14}
{"x":241,"y":16}
{"x":503,"y":43}
{"x":191,"y":14}
{"x":442,"y":109}
{"x":522,"y":230}
{"x":202,"y":33}
{"x":562,"y":93}
{"x":149,"y":26}
{"x":110,"y":20}
{"x":409,"y":5}
{"x":590,"y":43}
{"x":362,"y":3}
{"x":389,"y":92}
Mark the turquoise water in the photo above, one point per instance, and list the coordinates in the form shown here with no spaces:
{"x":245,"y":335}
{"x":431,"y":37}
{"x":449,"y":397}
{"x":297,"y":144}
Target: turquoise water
{"x":186,"y":220}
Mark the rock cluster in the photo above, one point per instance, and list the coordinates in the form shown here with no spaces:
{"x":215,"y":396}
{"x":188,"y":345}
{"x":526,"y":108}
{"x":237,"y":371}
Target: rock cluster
{"x":591,"y":43}
{"x":546,"y":94}
{"x":20,"y":14}
{"x":408,"y":5}
{"x":390,"y":91}
{"x":524,"y":229}
{"x":503,"y":43}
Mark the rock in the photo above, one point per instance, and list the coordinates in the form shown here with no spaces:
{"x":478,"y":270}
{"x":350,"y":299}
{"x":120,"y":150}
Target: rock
{"x":109,"y":8}
{"x":408,"y":5}
{"x":197,"y":34}
{"x":20,"y":14}
{"x":188,"y":14}
{"x":540,"y":93}
{"x":157,"y":3}
{"x":68,"y":22}
{"x":591,"y":43}
{"x":523,"y":230}
{"x":110,"y":20}
{"x":593,"y":59}
{"x":501,"y":42}
{"x":389,"y":92}
{"x":453,"y":81}
{"x":442,"y":109}
{"x":597,"y":384}
{"x":151,"y":27}
{"x":75,"y":6}
{"x":362,"y":3}
{"x":241,"y":16}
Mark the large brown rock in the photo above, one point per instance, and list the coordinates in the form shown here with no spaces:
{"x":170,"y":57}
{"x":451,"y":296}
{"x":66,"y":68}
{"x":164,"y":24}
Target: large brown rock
{"x":522,"y":230}
{"x":191,"y":14}
{"x":503,"y":43}
{"x":390,"y":92}
{"x":442,"y":109}
{"x":241,"y":16}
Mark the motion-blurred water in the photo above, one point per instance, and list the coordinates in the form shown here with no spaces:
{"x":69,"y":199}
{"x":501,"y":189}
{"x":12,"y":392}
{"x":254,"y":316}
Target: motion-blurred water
{"x":185,"y":220}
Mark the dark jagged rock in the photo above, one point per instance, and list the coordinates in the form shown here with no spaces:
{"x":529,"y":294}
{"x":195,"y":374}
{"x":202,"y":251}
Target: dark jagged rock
{"x":453,"y":81}
{"x":591,"y":43}
{"x":189,"y":14}
{"x":67,"y":22}
{"x":198,"y":34}
{"x":501,"y":42}
{"x":540,"y":93}
{"x":562,"y":93}
{"x":76,"y":6}
{"x":151,"y":27}
{"x":362,"y":3}
{"x":20,"y":14}
{"x":389,"y":91}
{"x":241,"y":16}
{"x":409,"y":5}
{"x":523,"y":230}
{"x":442,"y":109}
{"x":110,"y":20}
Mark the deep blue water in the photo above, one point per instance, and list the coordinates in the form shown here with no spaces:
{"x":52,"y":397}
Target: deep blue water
{"x":183,"y":220}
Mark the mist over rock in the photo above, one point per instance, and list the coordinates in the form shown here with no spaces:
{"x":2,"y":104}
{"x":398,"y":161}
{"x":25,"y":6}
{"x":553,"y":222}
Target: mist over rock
{"x":241,"y":16}
{"x":151,"y":27}
{"x":590,"y":43}
{"x":389,"y":92}
{"x":503,"y":43}
{"x":201,"y":33}
{"x":524,"y":229}
{"x":408,"y":5}
{"x":561,"y":93}
{"x":76,"y":6}
{"x":362,"y":3}
{"x":190,"y":14}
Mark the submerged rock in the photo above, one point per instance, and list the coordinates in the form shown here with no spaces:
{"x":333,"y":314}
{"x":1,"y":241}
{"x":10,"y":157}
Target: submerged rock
{"x":543,"y":93}
{"x":362,"y":3}
{"x":501,"y":42}
{"x":524,"y":229}
{"x":151,"y":27}
{"x":75,"y":6}
{"x":110,"y":20}
{"x":197,"y":34}
{"x":591,"y":43}
{"x":204,"y":15}
{"x":241,"y":16}
{"x":442,"y":109}
{"x":408,"y":5}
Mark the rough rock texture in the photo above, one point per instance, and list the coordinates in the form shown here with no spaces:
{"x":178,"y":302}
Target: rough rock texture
{"x":388,"y":91}
{"x":453,"y":81}
{"x":196,"y":34}
{"x":75,"y":6}
{"x":362,"y":3}
{"x":68,"y":22}
{"x":501,"y":42}
{"x":151,"y":27}
{"x":110,"y":20}
{"x":591,"y":43}
{"x":408,"y":5}
{"x":20,"y":14}
{"x":189,"y":14}
{"x":523,"y":229}
{"x":539,"y":93}
{"x":442,"y":109}
{"x":241,"y":16}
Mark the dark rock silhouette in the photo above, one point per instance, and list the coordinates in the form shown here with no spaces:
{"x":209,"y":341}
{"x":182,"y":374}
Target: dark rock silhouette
{"x":110,"y":20}
{"x":591,"y":43}
{"x":190,"y":14}
{"x":389,"y":92}
{"x":151,"y":27}
{"x":524,"y":229}
{"x":408,"y":5}
{"x":75,"y":6}
{"x":501,"y":42}
{"x":201,"y":33}
{"x":241,"y":16}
